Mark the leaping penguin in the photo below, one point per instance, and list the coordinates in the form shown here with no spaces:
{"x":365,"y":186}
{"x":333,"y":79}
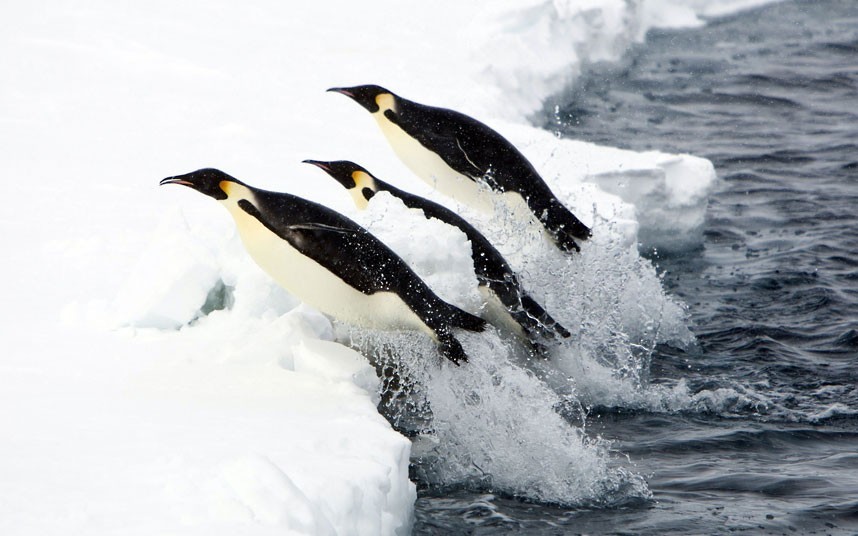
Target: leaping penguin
{"x":457,"y":154}
{"x":516,"y":310}
{"x":332,"y":263}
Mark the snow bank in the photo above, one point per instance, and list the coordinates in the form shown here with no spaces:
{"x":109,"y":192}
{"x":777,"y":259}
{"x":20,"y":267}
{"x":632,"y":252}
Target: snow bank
{"x":247,"y":419}
{"x":155,"y":381}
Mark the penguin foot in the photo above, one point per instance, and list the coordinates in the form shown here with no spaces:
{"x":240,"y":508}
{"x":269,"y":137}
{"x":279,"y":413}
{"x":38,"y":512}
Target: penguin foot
{"x":537,"y":350}
{"x":560,"y":330}
{"x":565,"y":242}
{"x":451,"y":348}
{"x":563,"y":226}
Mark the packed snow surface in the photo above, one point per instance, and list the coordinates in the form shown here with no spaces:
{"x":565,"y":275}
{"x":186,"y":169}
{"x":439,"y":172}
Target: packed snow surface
{"x":154,"y":380}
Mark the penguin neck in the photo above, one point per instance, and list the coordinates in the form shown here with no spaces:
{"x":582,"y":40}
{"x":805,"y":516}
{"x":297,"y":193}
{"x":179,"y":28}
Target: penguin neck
{"x":386,"y":103}
{"x":247,"y":224}
{"x":363,"y":182}
{"x":236,"y":192}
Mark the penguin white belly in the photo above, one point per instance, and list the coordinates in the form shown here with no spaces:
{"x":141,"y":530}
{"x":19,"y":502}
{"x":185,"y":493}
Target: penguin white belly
{"x":433,"y":170}
{"x":314,"y":284}
{"x":496,"y":313}
{"x":517,"y":208}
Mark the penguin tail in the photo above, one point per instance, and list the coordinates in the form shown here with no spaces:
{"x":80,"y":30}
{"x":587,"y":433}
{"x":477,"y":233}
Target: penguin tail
{"x":451,"y":348}
{"x":563,"y":226}
{"x":546,"y":322}
{"x":527,"y":312}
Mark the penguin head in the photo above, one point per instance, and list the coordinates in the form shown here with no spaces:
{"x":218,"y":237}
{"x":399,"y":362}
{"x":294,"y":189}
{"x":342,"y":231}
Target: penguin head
{"x":370,"y":96}
{"x":359,"y":182}
{"x":209,"y":181}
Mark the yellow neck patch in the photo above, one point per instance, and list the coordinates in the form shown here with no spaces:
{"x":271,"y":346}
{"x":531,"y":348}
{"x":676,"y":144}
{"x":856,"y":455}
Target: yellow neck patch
{"x":225,"y":186}
{"x":362,"y":180}
{"x":385,"y":102}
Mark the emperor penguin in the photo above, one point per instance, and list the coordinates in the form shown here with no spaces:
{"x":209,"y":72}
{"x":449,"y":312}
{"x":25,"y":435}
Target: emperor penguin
{"x":331,"y":262}
{"x":514,"y":309}
{"x":462,"y":157}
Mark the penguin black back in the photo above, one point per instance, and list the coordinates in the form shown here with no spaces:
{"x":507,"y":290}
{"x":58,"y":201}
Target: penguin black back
{"x":471,"y":149}
{"x":353,"y":258}
{"x":350,"y":251}
{"x":490,"y":267}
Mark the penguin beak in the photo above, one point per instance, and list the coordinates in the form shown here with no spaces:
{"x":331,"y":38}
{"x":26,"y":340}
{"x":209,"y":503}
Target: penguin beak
{"x":321,"y":165}
{"x":347,"y":182}
{"x":342,"y":90}
{"x":176,"y":180}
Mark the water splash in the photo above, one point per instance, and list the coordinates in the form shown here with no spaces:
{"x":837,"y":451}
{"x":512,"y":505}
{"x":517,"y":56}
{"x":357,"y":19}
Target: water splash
{"x":609,"y":297}
{"x":505,"y":422}
{"x":493,"y":424}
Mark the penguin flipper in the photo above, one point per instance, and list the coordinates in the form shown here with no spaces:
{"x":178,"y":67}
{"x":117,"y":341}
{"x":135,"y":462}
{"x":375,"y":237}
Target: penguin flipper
{"x":307,"y":226}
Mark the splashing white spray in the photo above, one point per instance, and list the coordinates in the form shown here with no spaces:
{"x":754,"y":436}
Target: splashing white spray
{"x":503,"y":422}
{"x":491,"y":424}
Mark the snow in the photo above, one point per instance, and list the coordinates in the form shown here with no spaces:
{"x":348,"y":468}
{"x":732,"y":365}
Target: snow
{"x":154,"y":380}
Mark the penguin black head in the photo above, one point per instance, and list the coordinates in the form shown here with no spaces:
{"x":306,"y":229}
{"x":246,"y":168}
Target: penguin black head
{"x":208,"y":181}
{"x":368,"y":96}
{"x":360,"y":183}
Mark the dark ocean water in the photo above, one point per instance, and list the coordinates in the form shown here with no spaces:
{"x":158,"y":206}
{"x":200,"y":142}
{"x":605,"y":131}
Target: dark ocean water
{"x":771,"y":97}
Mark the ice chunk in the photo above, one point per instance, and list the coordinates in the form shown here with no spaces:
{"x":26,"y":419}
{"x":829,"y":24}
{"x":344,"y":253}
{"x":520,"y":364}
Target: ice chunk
{"x":666,"y":195}
{"x":255,"y":490}
{"x":335,"y":362}
{"x":171,"y":281}
{"x":670,"y":196}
